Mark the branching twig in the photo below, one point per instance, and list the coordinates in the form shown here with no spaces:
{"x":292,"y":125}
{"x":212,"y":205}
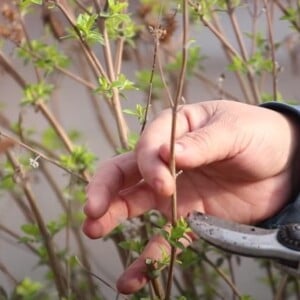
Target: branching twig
{"x":54,"y":263}
{"x":219,"y":271}
{"x":42,"y":156}
{"x":244,"y":54}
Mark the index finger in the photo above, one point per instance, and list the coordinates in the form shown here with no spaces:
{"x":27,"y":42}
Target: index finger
{"x":157,"y":134}
{"x":111,"y":177}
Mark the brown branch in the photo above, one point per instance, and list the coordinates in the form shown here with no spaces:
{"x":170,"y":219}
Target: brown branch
{"x":42,"y":156}
{"x":116,"y":103}
{"x":94,"y":62}
{"x":285,"y":11}
{"x":271,"y":42}
{"x":281,"y":287}
{"x":244,"y":54}
{"x":230,"y":52}
{"x":7,"y":66}
{"x":54,"y":264}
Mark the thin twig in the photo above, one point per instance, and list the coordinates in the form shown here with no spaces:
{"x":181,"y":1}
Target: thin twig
{"x":116,"y":103}
{"x":286,"y":12}
{"x":54,"y":263}
{"x":244,"y":54}
{"x":163,"y":79}
{"x":42,"y":156}
{"x":12,"y":71}
{"x":219,"y":271}
{"x":17,"y":237}
{"x":231,"y":272}
{"x":148,"y":103}
{"x":5,"y":271}
{"x":94,"y":62}
{"x":172,"y":163}
{"x":271,"y":43}
{"x":228,"y":48}
{"x":281,"y":288}
{"x":65,"y":206}
{"x":106,"y":283}
{"x":270,"y":277}
{"x":119,"y":55}
{"x":97,"y":108}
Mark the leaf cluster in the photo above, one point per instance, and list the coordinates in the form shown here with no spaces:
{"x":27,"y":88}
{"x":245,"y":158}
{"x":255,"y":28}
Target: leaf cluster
{"x":36,"y":92}
{"x":106,"y":88}
{"x":79,"y":160}
{"x":45,"y":57}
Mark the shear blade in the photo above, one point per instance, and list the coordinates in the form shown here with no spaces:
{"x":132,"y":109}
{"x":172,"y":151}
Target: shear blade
{"x":240,"y":239}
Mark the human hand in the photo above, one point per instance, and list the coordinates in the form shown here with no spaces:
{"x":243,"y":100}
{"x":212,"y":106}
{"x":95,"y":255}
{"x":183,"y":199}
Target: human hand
{"x":236,"y":161}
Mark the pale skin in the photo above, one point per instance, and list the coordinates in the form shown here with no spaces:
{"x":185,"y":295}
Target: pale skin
{"x":237,"y":163}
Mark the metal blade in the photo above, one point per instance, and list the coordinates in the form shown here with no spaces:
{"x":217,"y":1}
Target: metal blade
{"x":240,"y":239}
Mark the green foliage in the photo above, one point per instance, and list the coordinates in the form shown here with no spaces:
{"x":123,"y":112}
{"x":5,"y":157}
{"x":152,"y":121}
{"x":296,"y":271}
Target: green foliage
{"x":138,"y":112}
{"x":106,"y":88}
{"x":33,"y":234}
{"x":79,"y":160}
{"x":258,"y":62}
{"x":51,"y":140}
{"x":133,"y":245}
{"x":132,"y":141}
{"x":292,"y":15}
{"x":118,"y":22}
{"x":189,"y":258}
{"x":46,"y":57}
{"x":143,"y":80}
{"x":204,"y":8}
{"x":28,"y":289}
{"x":246,"y":297}
{"x":34,"y":93}
{"x":86,"y":25}
{"x":25,"y":5}
{"x":267,"y":97}
{"x":30,"y":229}
{"x":176,"y":233}
{"x":193,"y":63}
{"x":154,"y":267}
{"x":7,"y":178}
{"x":56,"y":226}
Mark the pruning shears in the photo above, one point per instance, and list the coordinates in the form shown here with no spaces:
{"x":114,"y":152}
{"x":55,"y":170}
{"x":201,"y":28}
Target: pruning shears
{"x":279,"y":242}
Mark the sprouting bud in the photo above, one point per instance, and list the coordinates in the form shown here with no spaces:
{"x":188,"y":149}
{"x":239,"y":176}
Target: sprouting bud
{"x":34,"y":162}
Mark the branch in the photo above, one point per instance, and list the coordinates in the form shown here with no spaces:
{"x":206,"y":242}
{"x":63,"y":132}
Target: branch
{"x":41,"y":155}
{"x":172,"y":164}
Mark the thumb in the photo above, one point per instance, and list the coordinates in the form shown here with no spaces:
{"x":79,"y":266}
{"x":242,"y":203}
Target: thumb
{"x":203,"y":146}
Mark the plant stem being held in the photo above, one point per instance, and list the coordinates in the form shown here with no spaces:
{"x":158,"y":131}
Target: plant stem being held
{"x":172,"y":163}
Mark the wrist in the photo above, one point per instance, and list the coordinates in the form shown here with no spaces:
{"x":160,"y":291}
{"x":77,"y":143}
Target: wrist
{"x":291,"y":211}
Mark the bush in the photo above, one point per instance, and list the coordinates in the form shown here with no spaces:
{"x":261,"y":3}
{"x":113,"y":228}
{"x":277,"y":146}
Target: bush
{"x":126,"y":62}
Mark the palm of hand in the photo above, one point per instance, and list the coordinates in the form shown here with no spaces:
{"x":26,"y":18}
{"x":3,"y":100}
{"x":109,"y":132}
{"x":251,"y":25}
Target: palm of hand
{"x":241,"y":200}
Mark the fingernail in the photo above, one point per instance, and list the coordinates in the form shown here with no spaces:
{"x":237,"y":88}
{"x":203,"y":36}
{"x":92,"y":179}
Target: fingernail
{"x":178,"y":148}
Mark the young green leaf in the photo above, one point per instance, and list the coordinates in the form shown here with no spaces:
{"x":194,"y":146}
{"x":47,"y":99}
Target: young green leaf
{"x":36,"y":92}
{"x":28,"y":289}
{"x":86,"y":26}
{"x":79,"y":160}
{"x":46,"y":57}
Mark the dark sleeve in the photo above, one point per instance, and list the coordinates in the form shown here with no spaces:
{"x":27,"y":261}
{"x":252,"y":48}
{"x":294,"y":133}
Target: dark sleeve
{"x":291,"y":212}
